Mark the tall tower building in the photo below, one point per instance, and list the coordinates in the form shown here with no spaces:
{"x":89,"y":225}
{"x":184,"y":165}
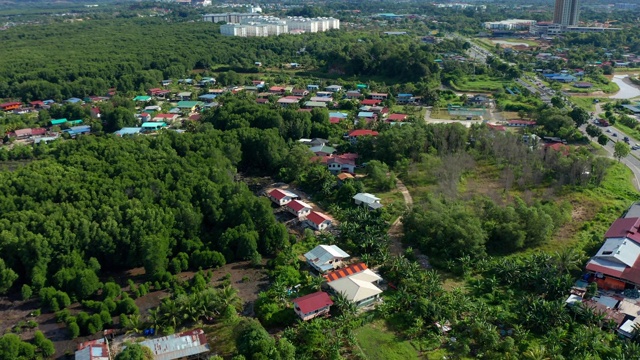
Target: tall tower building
{"x":566,"y":12}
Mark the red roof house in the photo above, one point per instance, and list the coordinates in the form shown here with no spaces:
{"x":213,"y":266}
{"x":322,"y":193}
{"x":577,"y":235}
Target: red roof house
{"x":276,"y":89}
{"x":11,"y":106}
{"x":521,"y":123}
{"x":318,"y":221}
{"x":625,"y":227}
{"x":397,"y":117}
{"x":334,"y":120}
{"x":354,"y":134}
{"x":310,"y":306}
{"x":281,"y":197}
{"x":370,"y":102}
{"x":299,"y":208}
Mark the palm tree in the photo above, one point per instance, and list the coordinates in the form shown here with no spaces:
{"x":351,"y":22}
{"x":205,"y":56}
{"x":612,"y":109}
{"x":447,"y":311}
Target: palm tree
{"x":568,"y":260}
{"x":170,"y":312}
{"x":154,"y":318}
{"x":536,"y":353}
{"x":345,"y":306}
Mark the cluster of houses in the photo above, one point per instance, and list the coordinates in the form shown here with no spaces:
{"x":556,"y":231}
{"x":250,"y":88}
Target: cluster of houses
{"x":356,"y":283}
{"x":185,"y":345}
{"x":615,"y":268}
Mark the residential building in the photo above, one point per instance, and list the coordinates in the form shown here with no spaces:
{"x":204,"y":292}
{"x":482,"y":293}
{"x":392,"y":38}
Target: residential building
{"x":128,"y":131}
{"x":168,"y":118}
{"x":346,"y":271}
{"x":315,"y":104}
{"x":153,"y":126}
{"x":312,"y":25}
{"x":333,"y":88}
{"x":378,"y":96}
{"x":322,"y":99}
{"x":370,"y":201}
{"x":353,"y":135}
{"x":566,"y":12}
{"x":312,"y":87}
{"x":299,"y":208}
{"x":93,"y":350}
{"x":367,"y":115}
{"x":313,"y":305}
{"x":288,"y":100}
{"x":521,"y":123}
{"x":324,"y":94}
{"x":324,"y":258}
{"x":353,"y":94}
{"x":10,"y":106}
{"x":300,"y":92}
{"x":480,"y":100}
{"x":370,"y":102}
{"x":358,"y":288}
{"x":318,"y":221}
{"x":178,"y":346}
{"x":281,"y":197}
{"x":397,"y":117}
{"x":617,"y":263}
{"x":405,"y":99}
{"x":342,"y":177}
{"x":228,"y":17}
{"x":339,"y":164}
{"x":323,"y":150}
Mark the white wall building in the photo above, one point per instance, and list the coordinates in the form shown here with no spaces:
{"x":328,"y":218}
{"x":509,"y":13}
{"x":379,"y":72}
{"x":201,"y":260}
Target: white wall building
{"x":511,"y":24}
{"x":258,"y":25}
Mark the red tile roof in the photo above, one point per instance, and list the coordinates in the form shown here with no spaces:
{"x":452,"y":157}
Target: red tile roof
{"x":496,"y":127}
{"x":362,"y":132}
{"x":297,"y":205}
{"x":397,"y":117}
{"x":166,"y":116}
{"x":334,"y":120}
{"x":629,"y":227}
{"x":370,"y":102}
{"x":262,"y":101}
{"x":277,"y":194}
{"x":522,"y":122}
{"x":312,"y":302}
{"x":349,"y":270}
{"x":317,"y":217}
{"x":38,"y":131}
{"x":559,"y":147}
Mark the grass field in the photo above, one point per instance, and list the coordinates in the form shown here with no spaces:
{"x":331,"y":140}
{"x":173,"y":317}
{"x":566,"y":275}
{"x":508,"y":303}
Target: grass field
{"x":586,"y":102}
{"x":481,"y":84}
{"x":609,"y":88}
{"x":379,"y":343}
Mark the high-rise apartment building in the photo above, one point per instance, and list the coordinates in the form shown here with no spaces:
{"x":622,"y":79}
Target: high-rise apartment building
{"x":566,"y":12}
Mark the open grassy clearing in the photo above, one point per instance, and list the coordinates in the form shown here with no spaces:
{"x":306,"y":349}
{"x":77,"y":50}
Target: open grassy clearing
{"x":586,"y":102}
{"x":222,"y":338}
{"x":379,"y":343}
{"x":481,"y":84}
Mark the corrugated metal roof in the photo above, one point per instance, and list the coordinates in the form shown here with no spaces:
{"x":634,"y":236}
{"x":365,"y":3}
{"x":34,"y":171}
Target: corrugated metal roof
{"x":177,"y":346}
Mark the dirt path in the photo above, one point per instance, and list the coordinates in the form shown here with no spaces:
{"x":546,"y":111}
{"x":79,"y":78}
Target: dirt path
{"x":395,"y":231}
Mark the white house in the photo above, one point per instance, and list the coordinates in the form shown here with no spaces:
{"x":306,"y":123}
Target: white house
{"x":326,"y":257}
{"x":358,"y":288}
{"x":333,"y":88}
{"x":299,"y":209}
{"x":318,"y":221}
{"x":369,"y":200}
{"x":281,"y":197}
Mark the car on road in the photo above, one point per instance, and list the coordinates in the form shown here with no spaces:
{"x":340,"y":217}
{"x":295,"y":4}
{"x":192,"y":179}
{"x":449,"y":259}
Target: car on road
{"x":635,"y":147}
{"x":608,"y":130}
{"x":615,"y":135}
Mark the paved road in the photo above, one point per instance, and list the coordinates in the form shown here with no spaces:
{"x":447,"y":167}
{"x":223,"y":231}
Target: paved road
{"x":631,"y":161}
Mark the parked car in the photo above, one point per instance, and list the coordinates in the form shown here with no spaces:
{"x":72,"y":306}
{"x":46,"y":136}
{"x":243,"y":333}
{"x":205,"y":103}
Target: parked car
{"x":615,"y":135}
